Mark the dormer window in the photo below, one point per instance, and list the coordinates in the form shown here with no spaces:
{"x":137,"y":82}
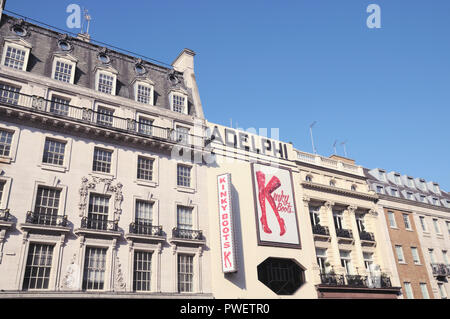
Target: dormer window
{"x":409,"y":195}
{"x":380,"y":189}
{"x":178,"y":101}
{"x":394,"y":192}
{"x":410,"y":181}
{"x":64,"y":68}
{"x":397,"y":179}
{"x":423,"y":198}
{"x":144,"y":91}
{"x":382,"y":175}
{"x":16,"y":53}
{"x":105,"y":79}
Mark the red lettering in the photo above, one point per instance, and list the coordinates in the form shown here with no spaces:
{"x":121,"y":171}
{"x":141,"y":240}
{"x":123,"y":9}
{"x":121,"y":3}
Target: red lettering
{"x":225,"y":223}
{"x":226,"y":258}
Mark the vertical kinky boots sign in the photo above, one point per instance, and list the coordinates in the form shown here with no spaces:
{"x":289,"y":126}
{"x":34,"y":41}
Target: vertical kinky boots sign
{"x":226,"y":223}
{"x":276,"y":215}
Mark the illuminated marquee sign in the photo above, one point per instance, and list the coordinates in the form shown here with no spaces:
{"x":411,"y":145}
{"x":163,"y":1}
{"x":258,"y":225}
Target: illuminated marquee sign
{"x":226,"y":223}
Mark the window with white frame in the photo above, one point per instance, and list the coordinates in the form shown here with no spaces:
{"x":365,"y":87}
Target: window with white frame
{"x":63,"y":70}
{"x":98,"y":212}
{"x":38,"y":266}
{"x":444,"y":257}
{"x":394,"y":192}
{"x":391,"y":218}
{"x":144,"y":93}
{"x":182,"y":135}
{"x":184,"y":218}
{"x":5,"y":142}
{"x":59,"y":105}
{"x":314,"y":214}
{"x":145,"y":126}
{"x":2,"y":187}
{"x":47,"y":205}
{"x":9,"y":93}
{"x":54,"y":152}
{"x":368,"y":261}
{"x":102,"y":160}
{"x":408,"y":290}
{"x":423,"y":223}
{"x":423,"y":198}
{"x":442,"y":291}
{"x":184,"y":175}
{"x":437,"y":228}
{"x":15,"y":56}
{"x":380,"y":189}
{"x":178,"y":103}
{"x":105,"y":116}
{"x":142,"y":271}
{"x":400,"y":256}
{"x":431,"y":254}
{"x":410,"y":181}
{"x":409,"y":195}
{"x":338,"y":219}
{"x":424,"y":290}
{"x":185,"y":273}
{"x":145,"y":168}
{"x":321,"y":254}
{"x":94,"y":268}
{"x":346,"y":261}
{"x":406,"y":221}
{"x":415,"y":255}
{"x":143,"y":217}
{"x":397,"y":179}
{"x":106,"y":82}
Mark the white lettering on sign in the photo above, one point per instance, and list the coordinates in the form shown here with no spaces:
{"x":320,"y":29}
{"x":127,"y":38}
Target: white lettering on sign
{"x":226,"y":223}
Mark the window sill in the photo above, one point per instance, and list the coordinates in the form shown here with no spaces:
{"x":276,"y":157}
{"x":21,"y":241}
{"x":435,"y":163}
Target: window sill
{"x":402,"y":263}
{"x":396,"y":228}
{"x":5,"y":160}
{"x":55,"y":168}
{"x":146,"y":183}
{"x":185,"y":189}
{"x":102,"y":175}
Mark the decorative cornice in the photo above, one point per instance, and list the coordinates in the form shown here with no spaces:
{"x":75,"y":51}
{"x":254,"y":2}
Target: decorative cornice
{"x":340,"y":191}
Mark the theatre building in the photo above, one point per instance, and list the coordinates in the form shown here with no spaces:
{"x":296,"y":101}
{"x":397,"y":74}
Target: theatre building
{"x":417,"y":214}
{"x":349,"y":234}
{"x":93,"y":197}
{"x":260,"y":239}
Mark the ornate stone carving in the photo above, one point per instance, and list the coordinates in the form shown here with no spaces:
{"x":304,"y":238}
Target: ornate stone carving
{"x":328,"y":204}
{"x":351,"y":209}
{"x":38,"y":103}
{"x":119,"y":283}
{"x":86,"y":185}
{"x":72,"y":276}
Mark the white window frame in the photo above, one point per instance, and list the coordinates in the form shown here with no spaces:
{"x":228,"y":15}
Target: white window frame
{"x":437,"y":227}
{"x":67,"y":153}
{"x":14,"y":143}
{"x":147,"y":83}
{"x":6,"y":191}
{"x":180,"y":93}
{"x":67,"y":59}
{"x":155,"y":180}
{"x":424,"y":288}
{"x":109,"y":72}
{"x":193,"y":182}
{"x":416,"y":250}
{"x":399,"y":248}
{"x":19,"y":44}
{"x":62,"y":195}
{"x":408,"y":292}
{"x":423,"y":224}
{"x":113,"y":170}
{"x":391,"y":213}
{"x":407,"y":221}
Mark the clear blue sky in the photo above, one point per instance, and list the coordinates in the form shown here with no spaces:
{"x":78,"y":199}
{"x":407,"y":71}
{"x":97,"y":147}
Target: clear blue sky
{"x":284,"y":64}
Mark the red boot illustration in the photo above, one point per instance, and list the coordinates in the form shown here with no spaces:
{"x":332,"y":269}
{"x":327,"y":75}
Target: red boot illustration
{"x":273,"y":184}
{"x":261,"y":178}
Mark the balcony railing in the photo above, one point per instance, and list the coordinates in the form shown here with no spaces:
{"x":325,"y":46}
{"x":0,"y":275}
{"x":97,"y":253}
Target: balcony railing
{"x":187,"y":234}
{"x":4,"y":215}
{"x":344,"y":233}
{"x":99,"y":224}
{"x":440,"y":270}
{"x":320,"y":230}
{"x":367,"y":236}
{"x":330,"y":279}
{"x":86,"y":115}
{"x":145,"y":229}
{"x":356,"y":281}
{"x":46,"y":219}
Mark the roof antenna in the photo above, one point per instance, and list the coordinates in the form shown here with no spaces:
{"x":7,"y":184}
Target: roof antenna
{"x":312,"y":139}
{"x":88,"y":19}
{"x":345,"y":150}
{"x":334,"y":147}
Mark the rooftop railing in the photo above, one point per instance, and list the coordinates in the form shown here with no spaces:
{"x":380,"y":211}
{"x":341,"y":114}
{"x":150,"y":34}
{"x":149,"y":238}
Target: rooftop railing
{"x":328,"y":162}
{"x":59,"y":109}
